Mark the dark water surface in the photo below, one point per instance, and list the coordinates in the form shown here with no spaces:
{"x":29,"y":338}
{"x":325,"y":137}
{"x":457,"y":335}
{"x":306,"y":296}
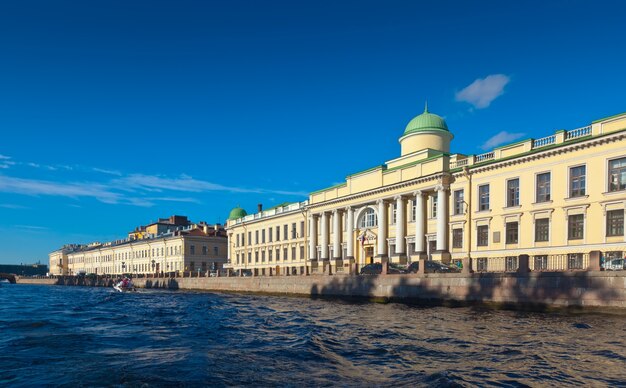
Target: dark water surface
{"x":53,"y":335}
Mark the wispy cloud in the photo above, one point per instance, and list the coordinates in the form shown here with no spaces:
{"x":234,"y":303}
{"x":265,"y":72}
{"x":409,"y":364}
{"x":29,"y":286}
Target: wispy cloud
{"x":31,"y":227}
{"x":501,"y":138}
{"x":12,"y":206}
{"x":104,"y":171}
{"x":483,"y":91}
{"x":5,"y":161}
{"x":65,"y":189}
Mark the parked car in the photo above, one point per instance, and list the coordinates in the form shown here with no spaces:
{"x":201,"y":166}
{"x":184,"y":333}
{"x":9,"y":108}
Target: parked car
{"x":614,"y":265}
{"x":433,"y":267}
{"x":377,"y":269}
{"x":246,"y":272}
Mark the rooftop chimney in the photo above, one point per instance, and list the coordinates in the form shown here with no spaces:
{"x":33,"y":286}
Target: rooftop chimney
{"x":260,"y":206}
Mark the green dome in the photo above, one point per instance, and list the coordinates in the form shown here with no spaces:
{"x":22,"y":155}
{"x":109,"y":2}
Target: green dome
{"x":237,"y":213}
{"x":426,"y":121}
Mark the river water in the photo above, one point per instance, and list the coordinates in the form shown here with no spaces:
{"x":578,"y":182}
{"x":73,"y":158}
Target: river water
{"x":53,"y":335}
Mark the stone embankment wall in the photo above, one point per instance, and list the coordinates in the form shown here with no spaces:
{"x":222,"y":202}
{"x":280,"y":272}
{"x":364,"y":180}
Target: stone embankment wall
{"x":535,"y":290}
{"x":562,"y":289}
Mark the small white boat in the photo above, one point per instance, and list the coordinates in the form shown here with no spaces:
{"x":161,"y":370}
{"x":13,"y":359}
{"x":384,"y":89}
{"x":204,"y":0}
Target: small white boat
{"x":5,"y":281}
{"x":125,"y":285}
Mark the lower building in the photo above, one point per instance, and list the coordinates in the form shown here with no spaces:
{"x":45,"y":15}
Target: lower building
{"x":193,"y":248}
{"x":555,"y":199}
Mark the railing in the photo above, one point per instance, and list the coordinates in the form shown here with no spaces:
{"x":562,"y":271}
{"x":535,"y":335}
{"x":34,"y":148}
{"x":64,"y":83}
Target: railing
{"x":565,"y":262}
{"x":459,"y":163}
{"x":485,"y":157}
{"x":495,"y":264}
{"x":544,"y":141}
{"x":578,"y":132}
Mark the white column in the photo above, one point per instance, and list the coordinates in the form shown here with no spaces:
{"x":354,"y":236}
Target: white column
{"x":337,"y":231}
{"x":324,"y":239}
{"x":420,"y":220}
{"x":313,"y":237}
{"x":442,"y":218}
{"x":382,"y":227}
{"x":230,"y":241}
{"x":400,"y":225}
{"x":350,"y":232}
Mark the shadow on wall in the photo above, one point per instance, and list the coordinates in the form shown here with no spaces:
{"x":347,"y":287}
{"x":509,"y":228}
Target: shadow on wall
{"x":166,"y":283}
{"x":538,"y":291}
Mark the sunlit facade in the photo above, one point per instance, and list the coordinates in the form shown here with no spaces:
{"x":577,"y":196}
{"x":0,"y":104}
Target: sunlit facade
{"x":555,"y":199}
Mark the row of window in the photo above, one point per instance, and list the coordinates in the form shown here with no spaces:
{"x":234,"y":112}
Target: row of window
{"x":575,"y":229}
{"x":241,"y":240}
{"x":270,"y":255}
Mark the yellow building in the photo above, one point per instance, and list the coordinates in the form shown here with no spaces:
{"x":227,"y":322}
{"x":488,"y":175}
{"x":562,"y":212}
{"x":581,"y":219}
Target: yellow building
{"x":555,"y":199}
{"x":193,"y":248}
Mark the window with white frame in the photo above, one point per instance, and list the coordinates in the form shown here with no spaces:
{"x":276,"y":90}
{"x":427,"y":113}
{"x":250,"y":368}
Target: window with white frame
{"x":458,"y":202}
{"x":542,"y":229}
{"x":575,"y":227}
{"x":543,"y":187}
{"x":394,"y":213}
{"x":433,"y":206}
{"x":615,"y":223}
{"x":577,"y":177}
{"x":617,"y":174}
{"x":512,"y":192}
{"x":483,"y":197}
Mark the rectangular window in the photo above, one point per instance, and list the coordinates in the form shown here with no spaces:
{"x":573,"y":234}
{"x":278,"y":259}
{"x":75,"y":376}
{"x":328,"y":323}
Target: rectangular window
{"x":293,"y":230}
{"x":302,"y":253}
{"x":269,"y":254}
{"x":277,"y":254}
{"x":286,"y":231}
{"x":542,"y":229}
{"x":575,"y":261}
{"x":256,"y":256}
{"x":483,"y":197}
{"x":512,"y":232}
{"x":243,"y":239}
{"x":577,"y":181}
{"x":278,"y":233}
{"x":263,"y":256}
{"x":575,"y":227}
{"x":237,"y":239}
{"x":249,"y":257}
{"x":615,"y":223}
{"x":263,"y":236}
{"x":237,"y":258}
{"x":285,"y":252}
{"x":413,"y":207}
{"x":457,"y":238}
{"x":512,"y":192}
{"x":482,"y":235}
{"x":205,"y":250}
{"x":256,"y":236}
{"x":192,"y":249}
{"x":543,"y":187}
{"x":394,"y":213}
{"x":458,"y":202}
{"x":249,"y":237}
{"x":433,"y":209}
{"x":216,"y":251}
{"x":302,"y":228}
{"x":541,"y":262}
{"x":617,"y":174}
{"x":293,"y":253}
{"x":510,"y":264}
{"x":269,"y":234}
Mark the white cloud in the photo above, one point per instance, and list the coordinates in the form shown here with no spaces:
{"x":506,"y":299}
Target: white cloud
{"x":35,"y":165}
{"x":104,"y":171}
{"x":501,"y":138}
{"x":12,"y":206}
{"x":482,"y":92}
{"x":31,"y":227}
{"x":4,"y":157}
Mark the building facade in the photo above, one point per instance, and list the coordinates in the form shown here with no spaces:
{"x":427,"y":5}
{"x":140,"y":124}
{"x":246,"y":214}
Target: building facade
{"x":192,"y":248}
{"x":555,"y":199}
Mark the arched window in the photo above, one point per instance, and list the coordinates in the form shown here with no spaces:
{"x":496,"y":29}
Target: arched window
{"x":368,"y":219}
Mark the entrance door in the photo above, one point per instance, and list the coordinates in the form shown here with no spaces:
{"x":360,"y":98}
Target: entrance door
{"x":369,"y":255}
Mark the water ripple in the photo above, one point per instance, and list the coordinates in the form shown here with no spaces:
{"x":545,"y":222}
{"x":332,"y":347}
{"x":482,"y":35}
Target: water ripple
{"x":94,"y":337}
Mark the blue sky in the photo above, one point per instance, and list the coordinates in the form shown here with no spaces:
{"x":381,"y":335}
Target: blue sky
{"x":114,"y":113}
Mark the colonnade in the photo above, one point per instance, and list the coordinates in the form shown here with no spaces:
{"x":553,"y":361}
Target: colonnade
{"x":381,"y":206}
